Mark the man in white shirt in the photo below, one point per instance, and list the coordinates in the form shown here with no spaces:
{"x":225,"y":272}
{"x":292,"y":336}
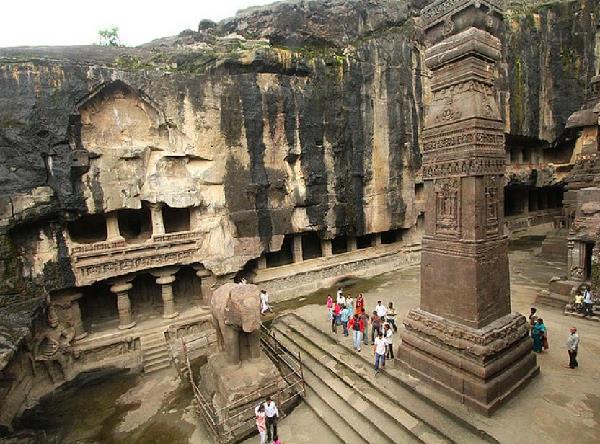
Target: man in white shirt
{"x":381,"y":311}
{"x":588,"y":302}
{"x":573,"y":347}
{"x":341,"y":300}
{"x":379,"y":349}
{"x":271,"y":416}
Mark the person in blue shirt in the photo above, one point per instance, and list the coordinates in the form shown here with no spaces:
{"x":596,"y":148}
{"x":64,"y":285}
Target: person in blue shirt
{"x":347,"y":313}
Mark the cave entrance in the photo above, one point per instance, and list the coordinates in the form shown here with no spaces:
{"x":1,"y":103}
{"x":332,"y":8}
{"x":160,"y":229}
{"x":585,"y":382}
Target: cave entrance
{"x":339,"y":244}
{"x":135,"y":225}
{"x":98,"y":308}
{"x":283,"y":256}
{"x":88,"y":229}
{"x":311,"y":246}
{"x":176,"y":219}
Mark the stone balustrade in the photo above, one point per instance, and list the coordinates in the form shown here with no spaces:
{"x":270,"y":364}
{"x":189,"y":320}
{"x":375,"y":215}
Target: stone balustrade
{"x":106,"y":259}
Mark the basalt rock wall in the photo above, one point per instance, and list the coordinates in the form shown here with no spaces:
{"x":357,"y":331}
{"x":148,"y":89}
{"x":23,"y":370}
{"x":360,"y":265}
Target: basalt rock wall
{"x":289,"y":118}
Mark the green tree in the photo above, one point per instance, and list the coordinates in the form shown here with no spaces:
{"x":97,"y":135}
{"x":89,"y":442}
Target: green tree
{"x":109,"y":37}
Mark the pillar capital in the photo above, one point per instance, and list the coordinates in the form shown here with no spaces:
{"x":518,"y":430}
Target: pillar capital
{"x":165,"y":272}
{"x":120,"y":287}
{"x":164,"y":280}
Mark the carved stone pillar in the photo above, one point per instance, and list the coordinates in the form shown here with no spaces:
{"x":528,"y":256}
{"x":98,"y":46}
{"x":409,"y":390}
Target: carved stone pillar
{"x":121,"y":289}
{"x":112,"y":227}
{"x":165,"y":279}
{"x":376,"y":240}
{"x":351,"y":243}
{"x":158,"y":226}
{"x":525,"y":201}
{"x":464,"y":338}
{"x":326,"y":248}
{"x":207,"y":281}
{"x":297,"y":248}
{"x":262,"y":262}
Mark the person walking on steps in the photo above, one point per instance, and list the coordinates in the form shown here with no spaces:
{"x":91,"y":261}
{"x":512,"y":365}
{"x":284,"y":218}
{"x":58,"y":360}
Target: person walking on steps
{"x":271,"y":414}
{"x":390,"y":316}
{"x":357,"y":327}
{"x":379,"y":351}
{"x":345,"y":317}
{"x":335,"y":320}
{"x":388,"y":334}
{"x":259,"y":412}
{"x":375,"y":326}
{"x":572,"y":347}
{"x":381,"y":311}
{"x":365,"y":318}
{"x":329,"y":307}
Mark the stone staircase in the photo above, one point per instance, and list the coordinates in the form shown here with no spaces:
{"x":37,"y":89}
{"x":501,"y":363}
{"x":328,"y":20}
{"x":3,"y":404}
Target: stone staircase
{"x":360,"y":407}
{"x":155,"y":352}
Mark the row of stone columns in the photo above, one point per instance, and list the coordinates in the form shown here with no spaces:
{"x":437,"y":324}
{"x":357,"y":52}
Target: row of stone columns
{"x":165,"y":278}
{"x":326,"y":248}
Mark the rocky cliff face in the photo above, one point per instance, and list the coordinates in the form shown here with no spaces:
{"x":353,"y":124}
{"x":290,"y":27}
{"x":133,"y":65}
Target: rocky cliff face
{"x":288,"y":118}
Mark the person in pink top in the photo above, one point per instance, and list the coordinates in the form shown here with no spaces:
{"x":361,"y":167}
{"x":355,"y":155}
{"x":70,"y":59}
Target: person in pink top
{"x":329,"y":307}
{"x":259,"y":411}
{"x":276,"y":440}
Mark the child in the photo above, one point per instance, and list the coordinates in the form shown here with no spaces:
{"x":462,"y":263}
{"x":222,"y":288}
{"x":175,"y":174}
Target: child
{"x":276,"y":440}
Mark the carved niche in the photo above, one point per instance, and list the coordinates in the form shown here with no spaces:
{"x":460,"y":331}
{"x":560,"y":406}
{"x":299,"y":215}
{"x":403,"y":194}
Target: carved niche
{"x":491,"y":205}
{"x":447,"y":207}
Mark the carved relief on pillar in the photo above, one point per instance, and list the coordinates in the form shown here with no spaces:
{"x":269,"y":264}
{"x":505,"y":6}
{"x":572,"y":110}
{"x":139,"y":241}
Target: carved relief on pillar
{"x":491,"y":205}
{"x":447,"y":207}
{"x":67,"y":304}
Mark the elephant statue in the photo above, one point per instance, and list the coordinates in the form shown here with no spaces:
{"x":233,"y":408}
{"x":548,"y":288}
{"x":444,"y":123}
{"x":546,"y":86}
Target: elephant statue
{"x":236,"y":318}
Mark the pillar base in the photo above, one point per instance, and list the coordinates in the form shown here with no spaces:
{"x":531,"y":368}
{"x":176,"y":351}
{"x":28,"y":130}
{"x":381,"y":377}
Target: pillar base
{"x":482,"y":368}
{"x":127,"y":326}
{"x":171,"y":315}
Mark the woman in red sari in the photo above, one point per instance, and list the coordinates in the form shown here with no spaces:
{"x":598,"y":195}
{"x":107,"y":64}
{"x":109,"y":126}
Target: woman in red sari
{"x":360,"y":303}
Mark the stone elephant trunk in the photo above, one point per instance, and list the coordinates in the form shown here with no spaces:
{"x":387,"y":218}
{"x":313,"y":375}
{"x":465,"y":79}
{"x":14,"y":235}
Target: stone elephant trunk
{"x":236,"y":317}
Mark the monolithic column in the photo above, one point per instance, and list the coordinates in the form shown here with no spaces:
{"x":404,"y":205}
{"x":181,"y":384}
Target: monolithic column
{"x":376,"y":240}
{"x":262,"y":262}
{"x":158,"y":227}
{"x":165,"y":279}
{"x":121,"y":289}
{"x":464,"y":338}
{"x":68,"y":302}
{"x":297,"y":248}
{"x":351,"y":243}
{"x":112,"y":227}
{"x":207,"y":280}
{"x":326,"y":248}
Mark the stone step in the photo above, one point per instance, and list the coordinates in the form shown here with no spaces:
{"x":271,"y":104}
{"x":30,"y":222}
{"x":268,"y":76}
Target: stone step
{"x":395,"y":388}
{"x":156,"y":367}
{"x":156,"y":353}
{"x":393,"y":423}
{"x":340,"y":428}
{"x":156,"y":359}
{"x":594,"y":318}
{"x":552,"y":300}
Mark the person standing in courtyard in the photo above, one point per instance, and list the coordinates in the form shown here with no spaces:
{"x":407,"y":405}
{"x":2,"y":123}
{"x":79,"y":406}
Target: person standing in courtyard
{"x":271,"y":417}
{"x":388,"y":334}
{"x":381,"y":311}
{"x":340,"y":297}
{"x":329,"y":307}
{"x":365,"y":318}
{"x":357,"y":327}
{"x":375,"y":326}
{"x":390,"y":316}
{"x":335,"y":320}
{"x":259,"y":412}
{"x":345,"y":317}
{"x":573,"y":347}
{"x":360,"y":304}
{"x":379,"y":350}
{"x":588,"y":302}
{"x":538,"y":333}
{"x":532,"y":318}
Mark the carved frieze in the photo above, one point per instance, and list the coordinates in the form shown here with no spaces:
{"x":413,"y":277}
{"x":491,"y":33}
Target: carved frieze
{"x":464,"y":167}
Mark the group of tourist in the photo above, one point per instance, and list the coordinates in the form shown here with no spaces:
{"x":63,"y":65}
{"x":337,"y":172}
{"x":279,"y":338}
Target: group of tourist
{"x":352,"y":316}
{"x":539,"y":334}
{"x":584,"y":301}
{"x":266,"y":421}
